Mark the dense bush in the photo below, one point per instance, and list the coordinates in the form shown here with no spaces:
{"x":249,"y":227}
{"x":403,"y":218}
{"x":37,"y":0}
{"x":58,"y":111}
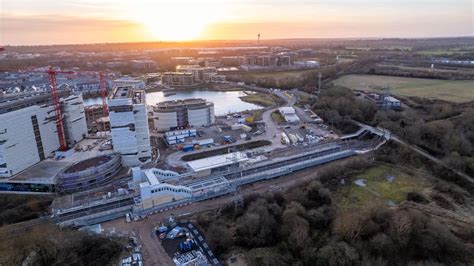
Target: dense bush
{"x":302,"y":227}
{"x":19,"y":208}
{"x":48,"y":245}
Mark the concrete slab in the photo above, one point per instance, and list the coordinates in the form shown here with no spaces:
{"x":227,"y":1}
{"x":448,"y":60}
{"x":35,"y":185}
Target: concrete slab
{"x":44,"y":172}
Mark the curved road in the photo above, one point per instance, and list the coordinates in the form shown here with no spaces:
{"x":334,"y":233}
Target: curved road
{"x":271,"y":128}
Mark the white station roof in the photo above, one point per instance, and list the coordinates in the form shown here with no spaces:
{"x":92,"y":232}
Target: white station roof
{"x":217,"y":161}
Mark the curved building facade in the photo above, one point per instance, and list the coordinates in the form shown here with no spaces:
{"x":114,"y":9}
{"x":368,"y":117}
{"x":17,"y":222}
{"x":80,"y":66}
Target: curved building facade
{"x":172,"y":115}
{"x":91,"y":173}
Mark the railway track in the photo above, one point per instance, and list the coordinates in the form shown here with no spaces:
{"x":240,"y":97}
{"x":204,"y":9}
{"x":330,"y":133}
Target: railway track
{"x":7,"y":231}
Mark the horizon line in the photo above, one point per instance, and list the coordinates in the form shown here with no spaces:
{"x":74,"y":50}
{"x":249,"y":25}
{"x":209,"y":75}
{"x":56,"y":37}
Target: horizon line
{"x":240,"y":40}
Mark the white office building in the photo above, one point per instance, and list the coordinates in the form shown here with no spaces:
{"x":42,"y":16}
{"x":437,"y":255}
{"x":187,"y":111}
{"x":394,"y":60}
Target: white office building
{"x":179,"y":114}
{"x":200,"y":73}
{"x":129,"y":82}
{"x":75,"y":126}
{"x":129,"y":125}
{"x":28,"y":132}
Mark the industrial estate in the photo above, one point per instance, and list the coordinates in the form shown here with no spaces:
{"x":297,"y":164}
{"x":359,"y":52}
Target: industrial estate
{"x":170,"y":134}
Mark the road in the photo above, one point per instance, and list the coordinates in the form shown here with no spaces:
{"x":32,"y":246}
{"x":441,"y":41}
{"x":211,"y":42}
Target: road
{"x":271,"y":129}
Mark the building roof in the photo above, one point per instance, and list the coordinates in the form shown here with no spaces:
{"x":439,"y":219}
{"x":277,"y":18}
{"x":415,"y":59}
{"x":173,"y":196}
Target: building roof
{"x":391,"y":99}
{"x":127,"y":80}
{"x":127,"y":92}
{"x":178,"y":74}
{"x":289,"y":114}
{"x":287,"y":110}
{"x":16,"y":101}
{"x":217,"y":161}
{"x":208,"y":183}
{"x":173,"y":105}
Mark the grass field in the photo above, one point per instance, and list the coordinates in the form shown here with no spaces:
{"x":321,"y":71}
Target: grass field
{"x":261,"y":99}
{"x":279,"y":76}
{"x":449,"y":90}
{"x":449,"y":51}
{"x":378,"y":188}
{"x":427,"y":69}
{"x":277,"y":117}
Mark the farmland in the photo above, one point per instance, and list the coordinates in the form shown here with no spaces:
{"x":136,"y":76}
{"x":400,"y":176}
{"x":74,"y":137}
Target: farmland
{"x":458,"y":91}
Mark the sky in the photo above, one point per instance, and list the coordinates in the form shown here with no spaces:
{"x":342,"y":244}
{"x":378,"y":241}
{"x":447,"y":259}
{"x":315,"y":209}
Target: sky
{"x":35,"y":22}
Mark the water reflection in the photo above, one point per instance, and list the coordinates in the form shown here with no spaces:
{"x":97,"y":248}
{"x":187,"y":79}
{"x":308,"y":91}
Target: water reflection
{"x":224,"y":102}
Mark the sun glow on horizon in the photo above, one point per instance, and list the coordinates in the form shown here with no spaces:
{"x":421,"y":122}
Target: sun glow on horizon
{"x":179,"y":20}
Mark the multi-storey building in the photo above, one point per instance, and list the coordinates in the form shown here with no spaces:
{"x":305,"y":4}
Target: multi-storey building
{"x":93,"y":112}
{"x":200,"y":73}
{"x":171,"y":115}
{"x":127,"y":81}
{"x":129,"y":125}
{"x":28,"y":132}
{"x":177,"y":79}
{"x":232,"y":61}
{"x":144,"y":64}
{"x":75,"y":126}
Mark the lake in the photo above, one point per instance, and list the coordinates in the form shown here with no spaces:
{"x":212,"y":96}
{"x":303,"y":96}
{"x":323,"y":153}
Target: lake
{"x":224,"y":102}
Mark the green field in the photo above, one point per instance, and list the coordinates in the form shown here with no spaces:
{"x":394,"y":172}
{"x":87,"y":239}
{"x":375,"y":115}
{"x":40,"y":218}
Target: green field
{"x":449,"y":90}
{"x":448,"y":51}
{"x":378,"y":189}
{"x":261,"y":99}
{"x":280,"y":77}
{"x":277,"y":117}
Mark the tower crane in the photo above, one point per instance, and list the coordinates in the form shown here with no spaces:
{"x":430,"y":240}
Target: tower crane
{"x":57,"y":108}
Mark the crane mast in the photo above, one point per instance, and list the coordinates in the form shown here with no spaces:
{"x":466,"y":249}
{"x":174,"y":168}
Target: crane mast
{"x":103,"y":93}
{"x":57,"y":110}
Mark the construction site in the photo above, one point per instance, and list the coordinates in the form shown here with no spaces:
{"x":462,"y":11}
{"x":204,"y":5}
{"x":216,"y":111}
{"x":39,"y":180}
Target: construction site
{"x":155,"y":158}
{"x":200,"y":155}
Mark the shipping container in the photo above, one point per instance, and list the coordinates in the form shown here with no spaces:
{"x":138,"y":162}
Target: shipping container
{"x":246,"y":128}
{"x":205,"y":142}
{"x":187,"y":148}
{"x":236,"y":126}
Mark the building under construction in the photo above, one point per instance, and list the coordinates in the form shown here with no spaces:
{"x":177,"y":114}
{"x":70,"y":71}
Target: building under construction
{"x":28,"y":128}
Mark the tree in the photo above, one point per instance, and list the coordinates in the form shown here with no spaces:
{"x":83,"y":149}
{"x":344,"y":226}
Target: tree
{"x":337,"y":253}
{"x":219,"y":238}
{"x":258,"y":226}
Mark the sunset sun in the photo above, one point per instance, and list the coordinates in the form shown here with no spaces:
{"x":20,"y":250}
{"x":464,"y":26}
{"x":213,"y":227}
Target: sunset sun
{"x":177,"y":21}
{"x":173,"y":30}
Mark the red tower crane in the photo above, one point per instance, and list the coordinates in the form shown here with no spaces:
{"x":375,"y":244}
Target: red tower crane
{"x":103,"y":93}
{"x":57,"y":108}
